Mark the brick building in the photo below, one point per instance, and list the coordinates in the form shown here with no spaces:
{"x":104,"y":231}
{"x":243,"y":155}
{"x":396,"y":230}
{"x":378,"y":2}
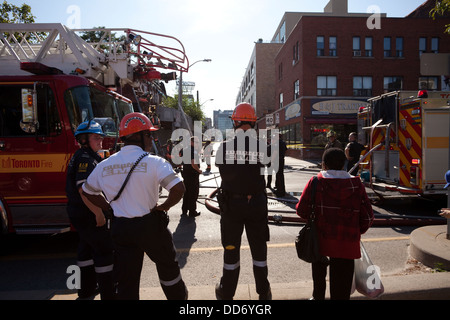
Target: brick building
{"x":257,"y":86}
{"x":331,"y":63}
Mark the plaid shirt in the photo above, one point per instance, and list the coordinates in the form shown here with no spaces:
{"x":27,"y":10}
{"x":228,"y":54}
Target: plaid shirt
{"x":343,"y":213}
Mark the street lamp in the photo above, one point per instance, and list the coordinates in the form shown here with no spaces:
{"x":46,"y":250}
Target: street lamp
{"x":180,"y":93}
{"x":206,"y":102}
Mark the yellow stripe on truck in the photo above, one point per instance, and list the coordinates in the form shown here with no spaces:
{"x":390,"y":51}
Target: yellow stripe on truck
{"x":43,"y":163}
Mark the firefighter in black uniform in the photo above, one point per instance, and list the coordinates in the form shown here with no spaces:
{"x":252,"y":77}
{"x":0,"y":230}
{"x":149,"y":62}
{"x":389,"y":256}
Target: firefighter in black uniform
{"x":243,"y":204}
{"x":95,"y":249}
{"x":191,"y":175}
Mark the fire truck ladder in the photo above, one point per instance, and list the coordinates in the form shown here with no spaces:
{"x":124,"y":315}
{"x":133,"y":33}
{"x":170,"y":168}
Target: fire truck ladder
{"x":55,"y":45}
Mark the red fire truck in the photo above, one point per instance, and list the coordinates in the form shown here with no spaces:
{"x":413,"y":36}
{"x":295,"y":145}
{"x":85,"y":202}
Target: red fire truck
{"x":51,"y":80}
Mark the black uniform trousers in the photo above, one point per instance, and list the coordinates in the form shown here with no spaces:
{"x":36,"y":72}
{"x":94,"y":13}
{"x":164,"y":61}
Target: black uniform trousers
{"x":192,"y":184}
{"x":252,"y":215}
{"x":95,"y":254}
{"x":132,"y":238}
{"x":279,"y":182}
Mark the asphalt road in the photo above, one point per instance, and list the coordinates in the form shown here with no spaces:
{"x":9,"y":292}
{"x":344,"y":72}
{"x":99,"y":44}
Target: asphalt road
{"x":36,"y":266}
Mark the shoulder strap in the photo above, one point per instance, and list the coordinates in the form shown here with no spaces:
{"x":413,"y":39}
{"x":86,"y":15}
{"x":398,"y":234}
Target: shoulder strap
{"x":129,"y":175}
{"x":313,"y":196}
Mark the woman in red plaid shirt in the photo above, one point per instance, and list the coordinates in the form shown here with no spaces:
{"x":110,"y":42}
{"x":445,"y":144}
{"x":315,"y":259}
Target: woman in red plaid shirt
{"x":343,"y":213}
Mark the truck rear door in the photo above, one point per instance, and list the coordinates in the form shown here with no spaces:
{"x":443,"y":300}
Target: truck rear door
{"x":436,"y":144}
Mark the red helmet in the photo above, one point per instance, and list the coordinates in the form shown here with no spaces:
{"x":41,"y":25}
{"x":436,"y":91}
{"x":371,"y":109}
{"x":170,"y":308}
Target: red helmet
{"x":244,"y":113}
{"x":135,"y":122}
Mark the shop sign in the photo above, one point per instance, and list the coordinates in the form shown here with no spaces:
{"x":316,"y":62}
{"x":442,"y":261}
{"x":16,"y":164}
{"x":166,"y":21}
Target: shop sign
{"x":293,"y":111}
{"x":269,"y":120}
{"x":327,"y":107}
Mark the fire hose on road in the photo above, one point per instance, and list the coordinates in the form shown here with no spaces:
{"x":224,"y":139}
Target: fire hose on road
{"x":290,"y":216}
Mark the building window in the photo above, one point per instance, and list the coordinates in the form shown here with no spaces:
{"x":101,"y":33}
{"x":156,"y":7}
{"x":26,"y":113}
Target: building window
{"x":292,"y":135}
{"x":387,"y":47}
{"x":326,"y":86}
{"x":393,"y":84}
{"x":356,"y":46}
{"x":320,"y":46}
{"x":296,"y":89}
{"x":283,"y":32}
{"x":362,"y":86}
{"x":333,"y":46}
{"x":399,"y":47}
{"x":296,"y":56}
{"x":435,"y":45}
{"x":369,"y":47}
{"x":428,"y":83}
{"x":422,"y":45}
{"x":281,"y":100}
{"x":280,"y":71}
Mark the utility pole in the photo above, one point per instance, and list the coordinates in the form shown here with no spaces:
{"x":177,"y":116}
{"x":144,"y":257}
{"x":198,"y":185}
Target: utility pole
{"x":180,"y":94}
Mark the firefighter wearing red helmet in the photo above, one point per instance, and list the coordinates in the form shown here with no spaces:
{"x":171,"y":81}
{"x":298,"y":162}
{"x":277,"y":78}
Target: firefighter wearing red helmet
{"x":140,"y":223}
{"x":243,"y":203}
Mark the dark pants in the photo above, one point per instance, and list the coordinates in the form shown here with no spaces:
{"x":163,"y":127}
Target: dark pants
{"x":269,"y":176}
{"x":133,"y":238}
{"x":341,"y":279}
{"x":252,"y":215}
{"x":192,"y":184}
{"x":350,"y":165}
{"x":95,"y":254}
{"x":279,"y":182}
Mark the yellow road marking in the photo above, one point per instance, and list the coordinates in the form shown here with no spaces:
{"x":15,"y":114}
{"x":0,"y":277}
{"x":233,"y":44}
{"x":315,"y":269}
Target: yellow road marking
{"x":281,"y":245}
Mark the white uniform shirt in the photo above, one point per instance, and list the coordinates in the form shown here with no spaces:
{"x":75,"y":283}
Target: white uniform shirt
{"x":141,"y":193}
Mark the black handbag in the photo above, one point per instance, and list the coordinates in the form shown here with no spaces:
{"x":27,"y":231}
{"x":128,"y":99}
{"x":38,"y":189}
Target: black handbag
{"x":307,"y":241}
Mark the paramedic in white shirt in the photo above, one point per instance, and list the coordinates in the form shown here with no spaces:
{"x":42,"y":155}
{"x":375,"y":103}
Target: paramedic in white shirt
{"x":140,"y":223}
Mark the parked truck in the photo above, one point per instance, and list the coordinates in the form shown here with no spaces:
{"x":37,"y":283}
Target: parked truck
{"x":408,"y":135}
{"x":51,"y":80}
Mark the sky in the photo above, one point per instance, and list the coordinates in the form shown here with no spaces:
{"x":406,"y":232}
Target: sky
{"x":224,"y":31}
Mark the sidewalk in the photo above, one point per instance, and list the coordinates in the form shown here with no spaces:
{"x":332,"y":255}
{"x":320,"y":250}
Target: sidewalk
{"x":425,"y":286}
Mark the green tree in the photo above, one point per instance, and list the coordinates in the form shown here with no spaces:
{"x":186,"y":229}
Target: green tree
{"x":99,"y":37}
{"x":190,"y":107}
{"x":10,"y":13}
{"x":442,"y":9}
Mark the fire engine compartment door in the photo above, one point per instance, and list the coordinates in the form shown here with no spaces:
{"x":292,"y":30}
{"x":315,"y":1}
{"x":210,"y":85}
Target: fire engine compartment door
{"x":379,"y":166}
{"x":436,"y":147}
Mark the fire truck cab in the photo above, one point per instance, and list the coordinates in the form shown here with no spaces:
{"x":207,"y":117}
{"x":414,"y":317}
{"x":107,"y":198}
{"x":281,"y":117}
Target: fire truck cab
{"x":38,"y":118}
{"x":408,"y":134}
{"x":51,"y":80}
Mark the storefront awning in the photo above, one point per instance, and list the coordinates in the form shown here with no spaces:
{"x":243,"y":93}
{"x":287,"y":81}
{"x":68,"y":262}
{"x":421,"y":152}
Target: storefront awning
{"x":330,"y":121}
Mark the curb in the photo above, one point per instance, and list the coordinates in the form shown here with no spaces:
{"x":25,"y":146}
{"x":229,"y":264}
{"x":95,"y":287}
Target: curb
{"x":430,"y":246}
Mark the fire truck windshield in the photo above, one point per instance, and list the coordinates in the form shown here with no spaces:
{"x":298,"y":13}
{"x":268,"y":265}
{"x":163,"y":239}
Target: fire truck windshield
{"x":86,"y":103}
